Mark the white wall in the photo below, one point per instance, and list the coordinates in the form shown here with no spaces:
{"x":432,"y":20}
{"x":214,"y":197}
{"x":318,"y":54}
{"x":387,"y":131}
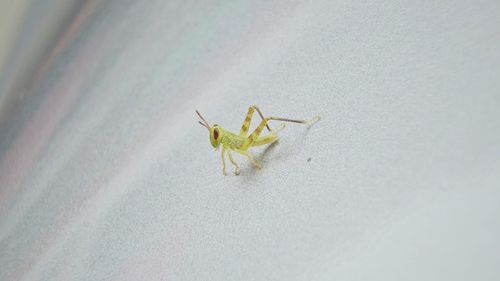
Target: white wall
{"x":106,"y":175}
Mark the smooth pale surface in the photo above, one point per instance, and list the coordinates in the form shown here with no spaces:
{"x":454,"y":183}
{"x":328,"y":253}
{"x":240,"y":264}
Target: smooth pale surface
{"x":106,"y":175}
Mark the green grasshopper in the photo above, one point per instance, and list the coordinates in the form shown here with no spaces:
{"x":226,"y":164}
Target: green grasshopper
{"x":240,"y":143}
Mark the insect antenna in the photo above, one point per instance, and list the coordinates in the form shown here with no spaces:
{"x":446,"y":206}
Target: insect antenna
{"x":205,"y":123}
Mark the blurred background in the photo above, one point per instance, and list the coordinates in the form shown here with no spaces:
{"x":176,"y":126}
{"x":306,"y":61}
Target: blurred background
{"x":28,"y":32}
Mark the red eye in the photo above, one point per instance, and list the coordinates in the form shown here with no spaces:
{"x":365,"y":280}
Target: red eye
{"x":216,"y":134}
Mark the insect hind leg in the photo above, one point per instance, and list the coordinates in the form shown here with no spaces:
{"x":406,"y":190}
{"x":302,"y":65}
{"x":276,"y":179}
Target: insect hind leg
{"x":255,"y":134}
{"x":248,"y":120}
{"x":269,"y":138}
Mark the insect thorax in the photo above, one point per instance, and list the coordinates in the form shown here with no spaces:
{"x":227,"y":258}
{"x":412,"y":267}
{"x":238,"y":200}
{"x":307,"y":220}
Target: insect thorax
{"x":231,"y":140}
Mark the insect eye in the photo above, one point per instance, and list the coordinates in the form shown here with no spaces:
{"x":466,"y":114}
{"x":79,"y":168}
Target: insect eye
{"x":216,"y":133}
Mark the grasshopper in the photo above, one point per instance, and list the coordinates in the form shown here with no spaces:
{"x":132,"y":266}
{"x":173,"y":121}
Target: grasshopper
{"x":241,"y":142}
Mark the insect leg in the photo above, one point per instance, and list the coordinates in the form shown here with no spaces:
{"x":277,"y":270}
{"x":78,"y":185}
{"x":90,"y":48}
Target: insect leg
{"x":261,"y":116}
{"x":223,"y":161}
{"x":269,"y":138}
{"x":250,"y":157}
{"x":248,"y":119}
{"x":237,"y":169}
{"x":246,"y":123}
{"x":255,"y":134}
{"x":308,"y":122}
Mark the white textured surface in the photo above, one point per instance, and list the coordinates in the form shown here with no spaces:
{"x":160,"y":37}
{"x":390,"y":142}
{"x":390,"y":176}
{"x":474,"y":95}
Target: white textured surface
{"x":106,"y":175}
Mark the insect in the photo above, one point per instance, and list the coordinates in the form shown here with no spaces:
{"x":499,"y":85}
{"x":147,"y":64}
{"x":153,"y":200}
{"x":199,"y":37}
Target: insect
{"x":240,"y":143}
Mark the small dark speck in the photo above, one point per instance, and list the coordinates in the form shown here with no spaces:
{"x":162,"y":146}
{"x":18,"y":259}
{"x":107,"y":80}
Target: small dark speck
{"x":309,"y":159}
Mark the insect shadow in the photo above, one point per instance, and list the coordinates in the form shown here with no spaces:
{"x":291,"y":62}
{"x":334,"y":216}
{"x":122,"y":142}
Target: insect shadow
{"x":261,"y":156}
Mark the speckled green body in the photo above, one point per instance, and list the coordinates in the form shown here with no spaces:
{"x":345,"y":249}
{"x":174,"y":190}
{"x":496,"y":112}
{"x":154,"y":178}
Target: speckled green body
{"x":230,"y":140}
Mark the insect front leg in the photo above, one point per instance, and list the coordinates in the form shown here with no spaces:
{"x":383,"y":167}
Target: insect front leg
{"x":223,"y":161}
{"x":237,"y":169}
